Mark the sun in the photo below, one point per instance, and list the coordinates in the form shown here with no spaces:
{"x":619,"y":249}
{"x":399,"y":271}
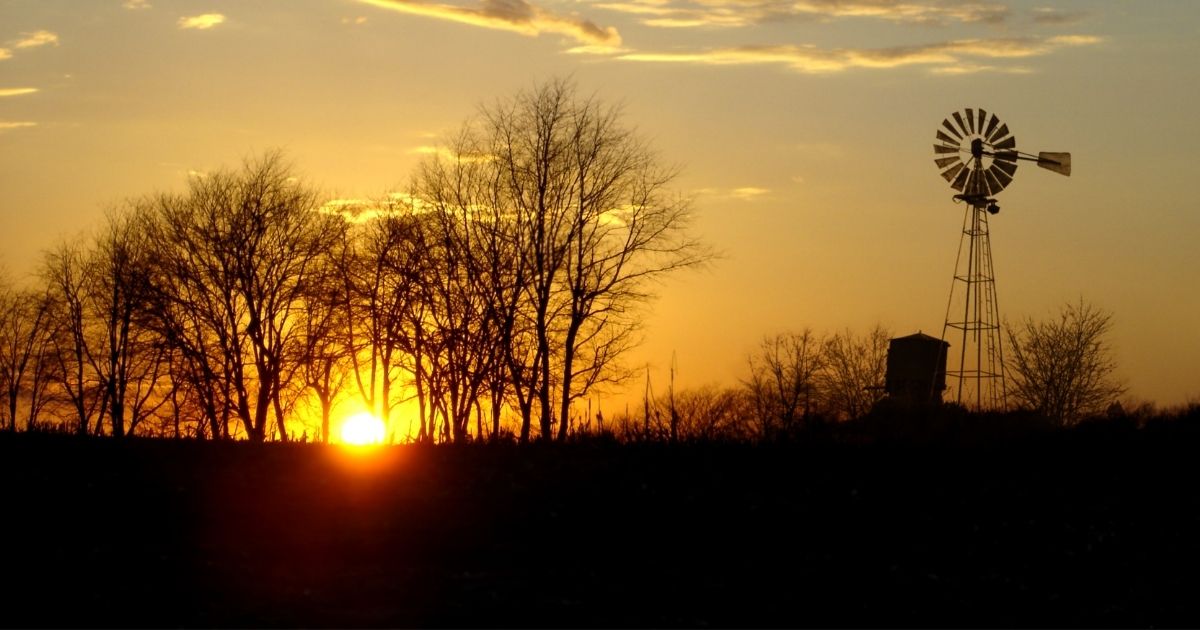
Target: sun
{"x":362,"y":429}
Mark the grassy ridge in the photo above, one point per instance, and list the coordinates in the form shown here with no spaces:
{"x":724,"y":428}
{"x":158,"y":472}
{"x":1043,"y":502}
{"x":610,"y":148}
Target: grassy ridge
{"x":1094,"y":526}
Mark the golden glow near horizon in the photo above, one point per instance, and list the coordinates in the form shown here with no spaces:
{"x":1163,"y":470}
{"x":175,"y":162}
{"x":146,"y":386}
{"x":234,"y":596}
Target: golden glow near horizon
{"x":363,"y":429}
{"x":801,"y":129}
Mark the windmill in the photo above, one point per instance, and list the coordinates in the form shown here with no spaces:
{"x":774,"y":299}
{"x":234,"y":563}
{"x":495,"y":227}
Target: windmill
{"x":978,"y":155}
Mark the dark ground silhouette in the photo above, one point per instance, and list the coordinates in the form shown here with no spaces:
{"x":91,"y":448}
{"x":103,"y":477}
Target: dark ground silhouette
{"x":1094,"y":526}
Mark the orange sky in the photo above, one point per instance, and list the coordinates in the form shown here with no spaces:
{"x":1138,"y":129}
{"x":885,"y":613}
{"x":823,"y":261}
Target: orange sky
{"x":804,"y":130}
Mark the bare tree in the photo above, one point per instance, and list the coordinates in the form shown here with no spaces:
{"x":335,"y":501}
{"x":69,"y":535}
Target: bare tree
{"x":230,"y":273}
{"x":486,"y":246}
{"x":65,"y":274}
{"x":24,"y":327}
{"x":320,"y":358}
{"x":626,"y":229}
{"x":854,"y":371}
{"x":709,"y":413}
{"x":1064,"y":368}
{"x":784,"y":386}
{"x":126,"y":357}
{"x":466,"y":335}
{"x":478,"y":273}
{"x":705,"y":413}
{"x":592,"y":225}
{"x":381,"y":266}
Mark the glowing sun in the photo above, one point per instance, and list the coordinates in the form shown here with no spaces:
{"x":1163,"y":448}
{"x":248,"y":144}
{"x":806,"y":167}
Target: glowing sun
{"x":362,"y":428}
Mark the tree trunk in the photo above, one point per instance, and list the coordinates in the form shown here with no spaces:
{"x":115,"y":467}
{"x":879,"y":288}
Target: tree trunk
{"x":496,"y":408}
{"x":547,"y":415}
{"x":117,"y":411}
{"x":280,"y":421}
{"x":326,"y":404}
{"x":564,"y":419}
{"x":175,"y":407}
{"x":424,"y":431}
{"x":12,"y":409}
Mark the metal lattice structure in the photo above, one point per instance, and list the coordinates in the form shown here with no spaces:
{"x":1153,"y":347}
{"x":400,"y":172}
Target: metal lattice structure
{"x":978,"y":156}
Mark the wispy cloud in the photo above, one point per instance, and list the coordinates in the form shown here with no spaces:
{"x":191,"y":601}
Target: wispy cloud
{"x":354,"y":20}
{"x":918,"y":12}
{"x":743,"y":193}
{"x":688,"y":15}
{"x":517,"y":16}
{"x":136,"y":4}
{"x":201,"y":22}
{"x":5,"y":54}
{"x":355,"y":210}
{"x":443,"y":153}
{"x":1047,"y":15}
{"x":16,"y":91}
{"x":977,"y":68}
{"x":600,"y":49}
{"x":6,"y":125}
{"x":736,"y":13}
{"x":945,"y":57}
{"x":748,"y":193}
{"x":36,"y":39}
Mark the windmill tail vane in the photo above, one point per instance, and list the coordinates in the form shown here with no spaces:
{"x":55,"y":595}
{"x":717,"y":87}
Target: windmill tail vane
{"x":1058,"y":162}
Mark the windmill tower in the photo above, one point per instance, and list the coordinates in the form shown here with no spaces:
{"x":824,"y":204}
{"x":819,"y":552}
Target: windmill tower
{"x":978,"y":155}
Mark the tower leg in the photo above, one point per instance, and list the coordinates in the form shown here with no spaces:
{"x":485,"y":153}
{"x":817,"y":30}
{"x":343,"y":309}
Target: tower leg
{"x":978,"y":378}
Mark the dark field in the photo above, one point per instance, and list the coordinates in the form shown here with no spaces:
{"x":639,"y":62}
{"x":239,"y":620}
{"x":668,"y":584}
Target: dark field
{"x":1092,"y":527}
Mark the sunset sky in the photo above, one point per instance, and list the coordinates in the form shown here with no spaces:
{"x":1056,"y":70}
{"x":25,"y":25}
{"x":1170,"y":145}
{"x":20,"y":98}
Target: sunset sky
{"x":803,"y":129}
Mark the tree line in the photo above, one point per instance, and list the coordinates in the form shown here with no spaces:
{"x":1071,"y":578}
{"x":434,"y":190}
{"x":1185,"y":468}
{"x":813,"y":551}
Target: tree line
{"x":496,"y":292}
{"x":508,"y":276}
{"x":1061,"y":370}
{"x":795,"y":382}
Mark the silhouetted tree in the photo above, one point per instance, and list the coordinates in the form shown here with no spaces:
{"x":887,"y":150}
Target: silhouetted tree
{"x":232,"y":262}
{"x":591,"y":223}
{"x":24,"y":340}
{"x":460,"y":287}
{"x":784,"y":386}
{"x":382,"y":265}
{"x":320,"y":356}
{"x":65,"y":273}
{"x":626,"y":229}
{"x":853,"y":372}
{"x":1063,"y":368}
{"x":489,"y":245}
{"x":110,"y":365}
{"x":127,"y":359}
{"x":711,"y":413}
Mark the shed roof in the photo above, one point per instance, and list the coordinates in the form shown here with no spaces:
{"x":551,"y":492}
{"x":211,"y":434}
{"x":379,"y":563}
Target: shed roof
{"x":919,"y":336}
